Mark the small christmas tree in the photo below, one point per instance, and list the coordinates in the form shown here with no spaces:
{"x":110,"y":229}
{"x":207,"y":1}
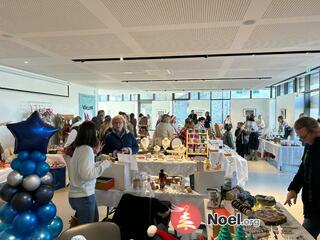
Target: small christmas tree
{"x":185,"y":222}
{"x":224,"y":233}
{"x":240,"y":235}
{"x":250,"y":237}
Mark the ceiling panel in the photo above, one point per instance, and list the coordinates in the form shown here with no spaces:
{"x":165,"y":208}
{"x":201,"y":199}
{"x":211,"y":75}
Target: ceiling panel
{"x":118,"y":66}
{"x":190,"y":64}
{"x":166,"y":12}
{"x":283,"y":35}
{"x":180,"y":41}
{"x":278,"y":61}
{"x":105,"y":45}
{"x":18,"y":16}
{"x":292,"y":8}
{"x":10,"y":49}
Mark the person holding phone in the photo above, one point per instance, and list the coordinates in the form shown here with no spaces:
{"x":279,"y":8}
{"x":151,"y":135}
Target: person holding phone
{"x":120,"y":140}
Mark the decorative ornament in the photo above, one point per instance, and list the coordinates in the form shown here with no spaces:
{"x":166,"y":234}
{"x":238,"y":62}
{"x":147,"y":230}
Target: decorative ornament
{"x":31,"y":134}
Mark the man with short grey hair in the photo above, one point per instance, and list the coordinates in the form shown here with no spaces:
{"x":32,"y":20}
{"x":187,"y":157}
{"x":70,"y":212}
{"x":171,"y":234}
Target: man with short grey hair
{"x":308,"y":175}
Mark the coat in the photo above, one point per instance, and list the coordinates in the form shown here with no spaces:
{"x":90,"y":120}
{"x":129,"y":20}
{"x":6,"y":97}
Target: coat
{"x":308,"y":179}
{"x":113,"y":142}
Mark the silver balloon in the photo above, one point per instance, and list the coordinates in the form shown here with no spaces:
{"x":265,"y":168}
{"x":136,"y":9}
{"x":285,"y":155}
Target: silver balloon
{"x":14,"y":178}
{"x":47,"y":179}
{"x":31,"y":182}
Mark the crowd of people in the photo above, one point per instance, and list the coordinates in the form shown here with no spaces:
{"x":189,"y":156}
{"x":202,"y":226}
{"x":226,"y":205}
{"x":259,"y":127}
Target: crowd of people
{"x":119,"y":135}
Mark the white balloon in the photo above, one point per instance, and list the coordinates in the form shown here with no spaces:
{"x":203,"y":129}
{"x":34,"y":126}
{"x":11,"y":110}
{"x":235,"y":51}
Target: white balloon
{"x":14,"y":179}
{"x":31,"y":183}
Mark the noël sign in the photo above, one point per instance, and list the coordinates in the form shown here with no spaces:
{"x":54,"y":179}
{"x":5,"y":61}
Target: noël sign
{"x":215,"y":219}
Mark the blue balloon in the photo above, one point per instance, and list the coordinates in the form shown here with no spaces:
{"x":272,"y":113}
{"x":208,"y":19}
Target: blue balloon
{"x":42,"y":169}
{"x":23,"y":155}
{"x":40,"y":233}
{"x":7,"y":214}
{"x":38,"y":156}
{"x":25,"y":222}
{"x":16,"y":164}
{"x":46,"y":213}
{"x":32,"y":134}
{"x":55,"y":227}
{"x":27,"y":168}
{"x":10,"y":234}
{"x":4,"y":226}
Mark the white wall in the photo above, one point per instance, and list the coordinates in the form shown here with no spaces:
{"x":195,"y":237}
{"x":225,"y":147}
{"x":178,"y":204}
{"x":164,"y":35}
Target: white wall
{"x":262,"y":106}
{"x":14,"y":104}
{"x":113,"y":108}
{"x":294,"y":105}
{"x":163,"y":106}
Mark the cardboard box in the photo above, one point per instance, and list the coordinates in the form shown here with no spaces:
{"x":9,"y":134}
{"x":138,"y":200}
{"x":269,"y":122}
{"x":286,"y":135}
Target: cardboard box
{"x":120,"y":172}
{"x":210,"y":179}
{"x":104,"y":183}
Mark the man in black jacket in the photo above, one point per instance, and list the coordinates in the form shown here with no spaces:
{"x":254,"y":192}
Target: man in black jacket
{"x":308,"y":175}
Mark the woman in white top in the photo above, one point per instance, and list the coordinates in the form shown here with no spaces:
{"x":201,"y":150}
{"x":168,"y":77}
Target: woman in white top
{"x":83,"y":172}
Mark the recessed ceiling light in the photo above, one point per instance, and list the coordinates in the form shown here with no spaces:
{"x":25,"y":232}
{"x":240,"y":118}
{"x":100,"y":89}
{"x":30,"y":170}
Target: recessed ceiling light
{"x":121,"y":58}
{"x":26,"y":62}
{"x":168,"y":71}
{"x":249,"y":22}
{"x":307,"y":53}
{"x":127,"y":72}
{"x":253,"y":55}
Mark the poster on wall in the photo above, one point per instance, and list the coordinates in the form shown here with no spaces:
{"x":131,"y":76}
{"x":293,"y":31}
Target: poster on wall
{"x":87,"y":106}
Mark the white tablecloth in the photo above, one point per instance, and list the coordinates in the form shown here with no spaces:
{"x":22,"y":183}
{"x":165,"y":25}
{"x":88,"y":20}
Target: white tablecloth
{"x":172,"y":168}
{"x":112,"y":197}
{"x":235,"y":166}
{"x":284,"y":155}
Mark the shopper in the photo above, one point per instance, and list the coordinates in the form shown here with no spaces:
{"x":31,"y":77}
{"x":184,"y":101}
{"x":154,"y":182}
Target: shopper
{"x":241,"y":139}
{"x":98,"y":120}
{"x":193,"y":116}
{"x":208,"y":120}
{"x":120,"y":140}
{"x":308,"y":177}
{"x":227,"y":137}
{"x":133,"y":121}
{"x":105,"y":128}
{"x":83,"y":172}
{"x":200,"y":125}
{"x":284,"y":128}
{"x":252,"y":130}
{"x":163,"y":130}
{"x":188,"y":125}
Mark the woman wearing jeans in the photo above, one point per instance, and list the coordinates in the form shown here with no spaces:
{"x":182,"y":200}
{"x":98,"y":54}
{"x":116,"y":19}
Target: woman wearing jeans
{"x":83,"y":172}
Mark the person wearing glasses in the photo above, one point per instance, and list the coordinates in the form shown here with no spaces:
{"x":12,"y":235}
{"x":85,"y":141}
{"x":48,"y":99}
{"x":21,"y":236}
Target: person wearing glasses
{"x":308,"y":177}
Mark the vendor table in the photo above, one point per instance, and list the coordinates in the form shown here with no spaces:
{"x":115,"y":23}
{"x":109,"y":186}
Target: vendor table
{"x":284,"y":155}
{"x":112,"y":197}
{"x":292,"y":223}
{"x":235,"y":166}
{"x":172,"y":168}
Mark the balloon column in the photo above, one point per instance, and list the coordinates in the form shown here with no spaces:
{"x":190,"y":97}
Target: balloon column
{"x":29,"y":213}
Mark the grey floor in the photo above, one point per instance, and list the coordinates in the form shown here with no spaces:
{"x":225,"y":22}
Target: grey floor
{"x":263,"y":179}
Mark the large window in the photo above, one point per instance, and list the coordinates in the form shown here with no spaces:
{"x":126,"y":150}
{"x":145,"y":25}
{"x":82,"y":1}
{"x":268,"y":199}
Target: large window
{"x":290,"y":87}
{"x":314,"y":81}
{"x":115,"y":97}
{"x":301,"y":83}
{"x":183,"y":96}
{"x":163,"y":97}
{"x":194,"y":95}
{"x":216,"y":94}
{"x":314,"y":104}
{"x":261,"y":93}
{"x":240,"y":94}
{"x":147,"y":96}
{"x":204,"y":95}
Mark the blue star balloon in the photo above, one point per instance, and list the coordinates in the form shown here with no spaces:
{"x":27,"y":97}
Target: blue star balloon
{"x":32,"y":134}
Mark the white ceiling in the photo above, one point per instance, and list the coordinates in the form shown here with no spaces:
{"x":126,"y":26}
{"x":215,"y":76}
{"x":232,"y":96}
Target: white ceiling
{"x":48,"y":34}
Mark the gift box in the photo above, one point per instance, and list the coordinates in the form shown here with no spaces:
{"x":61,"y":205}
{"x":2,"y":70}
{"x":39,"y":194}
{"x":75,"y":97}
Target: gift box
{"x":59,"y":177}
{"x":104,"y":183}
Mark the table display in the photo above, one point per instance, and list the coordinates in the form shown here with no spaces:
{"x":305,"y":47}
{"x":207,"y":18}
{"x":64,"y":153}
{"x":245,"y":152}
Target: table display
{"x":235,"y":166}
{"x":285,"y":155}
{"x":197,"y":142}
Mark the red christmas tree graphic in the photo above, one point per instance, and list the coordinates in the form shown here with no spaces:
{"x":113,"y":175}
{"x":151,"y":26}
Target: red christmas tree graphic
{"x":185,"y":218}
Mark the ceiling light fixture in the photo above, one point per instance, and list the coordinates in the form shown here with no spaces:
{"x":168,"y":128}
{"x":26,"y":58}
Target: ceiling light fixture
{"x":127,"y":72}
{"x":195,"y":80}
{"x":161,"y":58}
{"x":249,"y":22}
{"x":26,"y":62}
